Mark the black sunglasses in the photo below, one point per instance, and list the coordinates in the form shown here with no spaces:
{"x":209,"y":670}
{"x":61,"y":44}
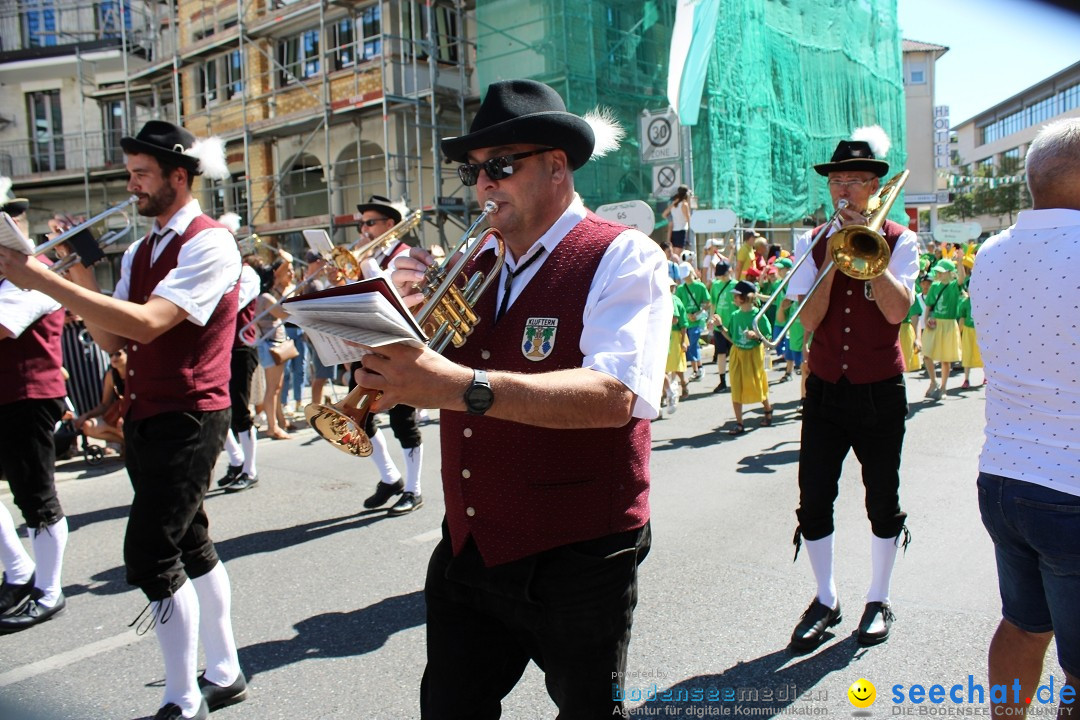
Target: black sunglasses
{"x":496,"y":168}
{"x":376,"y":221}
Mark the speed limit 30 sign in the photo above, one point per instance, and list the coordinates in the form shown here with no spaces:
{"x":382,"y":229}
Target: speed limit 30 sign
{"x":660,"y":133}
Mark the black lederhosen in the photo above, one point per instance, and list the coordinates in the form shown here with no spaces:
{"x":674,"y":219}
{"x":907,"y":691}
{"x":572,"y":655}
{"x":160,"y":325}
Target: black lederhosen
{"x":243,"y":363}
{"x":170,"y":457}
{"x":28,"y":457}
{"x":869,"y":419}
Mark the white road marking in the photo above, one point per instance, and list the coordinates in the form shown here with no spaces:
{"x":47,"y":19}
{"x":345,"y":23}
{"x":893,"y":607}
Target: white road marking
{"x":68,"y":658}
{"x":424,"y":538}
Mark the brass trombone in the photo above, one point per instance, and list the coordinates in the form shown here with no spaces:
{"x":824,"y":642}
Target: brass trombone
{"x":345,"y":259}
{"x":858,"y":251}
{"x":107,"y":238}
{"x":446,"y":317}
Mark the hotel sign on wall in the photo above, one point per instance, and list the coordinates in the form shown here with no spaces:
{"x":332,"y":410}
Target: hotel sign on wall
{"x":941,"y":137}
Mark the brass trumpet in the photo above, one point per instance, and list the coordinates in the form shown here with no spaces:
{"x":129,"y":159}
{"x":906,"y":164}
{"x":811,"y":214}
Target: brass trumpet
{"x":446,"y":317}
{"x":858,"y":251}
{"x":107,"y":238}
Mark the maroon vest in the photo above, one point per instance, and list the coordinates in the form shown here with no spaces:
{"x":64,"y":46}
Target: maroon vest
{"x":854,"y":339}
{"x":520,"y":489}
{"x":186,"y":368}
{"x":30,"y":364}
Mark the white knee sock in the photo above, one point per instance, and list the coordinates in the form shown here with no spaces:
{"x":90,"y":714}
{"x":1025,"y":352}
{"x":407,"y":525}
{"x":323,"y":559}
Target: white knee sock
{"x":233,"y":450}
{"x":883,"y":554}
{"x":177,"y":632}
{"x":821,"y":560}
{"x":18,"y":566}
{"x":215,"y":626}
{"x":49,"y":544}
{"x":247,"y":442}
{"x":381,"y":455}
{"x":414,"y":460}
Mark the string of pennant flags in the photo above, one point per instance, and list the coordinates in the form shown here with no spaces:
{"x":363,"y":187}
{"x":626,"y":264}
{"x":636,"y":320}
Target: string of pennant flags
{"x":956,"y":181}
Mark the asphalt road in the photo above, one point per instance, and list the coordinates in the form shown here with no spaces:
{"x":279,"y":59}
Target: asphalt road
{"x":329,"y":611}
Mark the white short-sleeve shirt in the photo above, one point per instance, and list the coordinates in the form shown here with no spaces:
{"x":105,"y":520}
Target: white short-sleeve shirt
{"x":1025,"y":300}
{"x":208,"y":266}
{"x":19,"y":309}
{"x":903,"y":263}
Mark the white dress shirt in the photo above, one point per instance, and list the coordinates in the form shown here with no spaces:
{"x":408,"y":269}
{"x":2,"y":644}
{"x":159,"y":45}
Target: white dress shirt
{"x":208,"y":266}
{"x":627,"y":314}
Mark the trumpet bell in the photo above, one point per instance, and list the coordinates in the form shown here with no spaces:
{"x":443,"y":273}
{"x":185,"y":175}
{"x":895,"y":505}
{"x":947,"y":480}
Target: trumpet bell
{"x":341,"y":430}
{"x":347,"y":263}
{"x":859,"y":252}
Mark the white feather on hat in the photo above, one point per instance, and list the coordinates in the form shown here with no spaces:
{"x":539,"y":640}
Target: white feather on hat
{"x":876,"y":138}
{"x":211,"y":156}
{"x":230,"y":220}
{"x":606,"y":129}
{"x":5,"y":188}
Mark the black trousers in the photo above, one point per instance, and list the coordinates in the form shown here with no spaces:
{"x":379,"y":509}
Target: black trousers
{"x":569,"y":609}
{"x":28,"y":457}
{"x":243,"y":363}
{"x":869,"y":419}
{"x":170,"y":458}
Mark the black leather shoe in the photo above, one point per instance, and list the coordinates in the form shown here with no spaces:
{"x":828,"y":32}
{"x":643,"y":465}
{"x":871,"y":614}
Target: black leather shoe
{"x":217,"y":697}
{"x":13,"y":595}
{"x":242,"y":482}
{"x":877,"y":620}
{"x":383,"y":492}
{"x":408,"y":502}
{"x":32,"y":613}
{"x":810,"y":632}
{"x":172,"y":712}
{"x":230,"y":475}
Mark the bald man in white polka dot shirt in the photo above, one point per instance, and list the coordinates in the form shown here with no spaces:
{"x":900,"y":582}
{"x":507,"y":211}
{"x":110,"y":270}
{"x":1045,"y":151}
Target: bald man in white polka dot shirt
{"x":1029,"y":469}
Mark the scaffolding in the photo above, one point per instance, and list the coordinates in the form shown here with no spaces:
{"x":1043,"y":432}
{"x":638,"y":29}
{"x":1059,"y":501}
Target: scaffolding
{"x":320,"y":103}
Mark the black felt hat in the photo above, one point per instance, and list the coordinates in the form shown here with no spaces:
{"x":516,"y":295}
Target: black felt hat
{"x":745,"y":288}
{"x":378,"y":203}
{"x":524,"y":112}
{"x":164,"y":141}
{"x":855,"y":156}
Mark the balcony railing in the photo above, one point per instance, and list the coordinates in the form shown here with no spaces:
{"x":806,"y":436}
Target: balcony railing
{"x":60,"y":153}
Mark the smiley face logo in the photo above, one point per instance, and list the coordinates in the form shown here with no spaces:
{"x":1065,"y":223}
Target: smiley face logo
{"x":862,"y":693}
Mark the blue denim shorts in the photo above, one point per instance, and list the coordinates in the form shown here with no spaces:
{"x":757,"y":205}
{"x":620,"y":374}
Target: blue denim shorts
{"x":794,"y":356}
{"x":1036,"y":534}
{"x":265,"y":358}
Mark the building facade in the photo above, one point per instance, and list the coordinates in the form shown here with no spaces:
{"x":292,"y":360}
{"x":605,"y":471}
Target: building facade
{"x":926,"y":133}
{"x":996,"y":140}
{"x":320,"y":104}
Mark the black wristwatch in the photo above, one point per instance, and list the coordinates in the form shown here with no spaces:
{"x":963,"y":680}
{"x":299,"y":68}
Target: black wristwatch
{"x":478,"y":396}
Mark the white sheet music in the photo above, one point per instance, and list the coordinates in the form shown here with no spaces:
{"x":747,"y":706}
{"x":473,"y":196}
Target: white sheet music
{"x":12,"y":237}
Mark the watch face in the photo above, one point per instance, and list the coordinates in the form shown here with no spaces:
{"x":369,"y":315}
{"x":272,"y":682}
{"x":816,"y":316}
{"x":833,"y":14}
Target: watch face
{"x":480,"y":397}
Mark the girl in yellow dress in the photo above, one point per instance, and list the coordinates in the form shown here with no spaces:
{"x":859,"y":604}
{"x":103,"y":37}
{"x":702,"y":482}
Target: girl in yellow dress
{"x":749,"y":383}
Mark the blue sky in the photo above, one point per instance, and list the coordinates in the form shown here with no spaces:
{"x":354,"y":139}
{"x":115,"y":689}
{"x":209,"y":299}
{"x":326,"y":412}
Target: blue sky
{"x":996,"y":47}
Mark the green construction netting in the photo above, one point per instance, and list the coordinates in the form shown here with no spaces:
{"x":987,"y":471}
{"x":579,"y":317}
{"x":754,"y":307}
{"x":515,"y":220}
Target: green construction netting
{"x":787,"y":79}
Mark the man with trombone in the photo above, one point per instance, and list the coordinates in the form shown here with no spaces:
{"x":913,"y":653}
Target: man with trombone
{"x":545,"y":420}
{"x":855,"y":394}
{"x":174,"y":309}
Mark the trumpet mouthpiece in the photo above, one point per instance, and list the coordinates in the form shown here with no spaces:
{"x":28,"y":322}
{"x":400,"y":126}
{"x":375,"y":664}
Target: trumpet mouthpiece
{"x":842,"y":203}
{"x":490,"y":207}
